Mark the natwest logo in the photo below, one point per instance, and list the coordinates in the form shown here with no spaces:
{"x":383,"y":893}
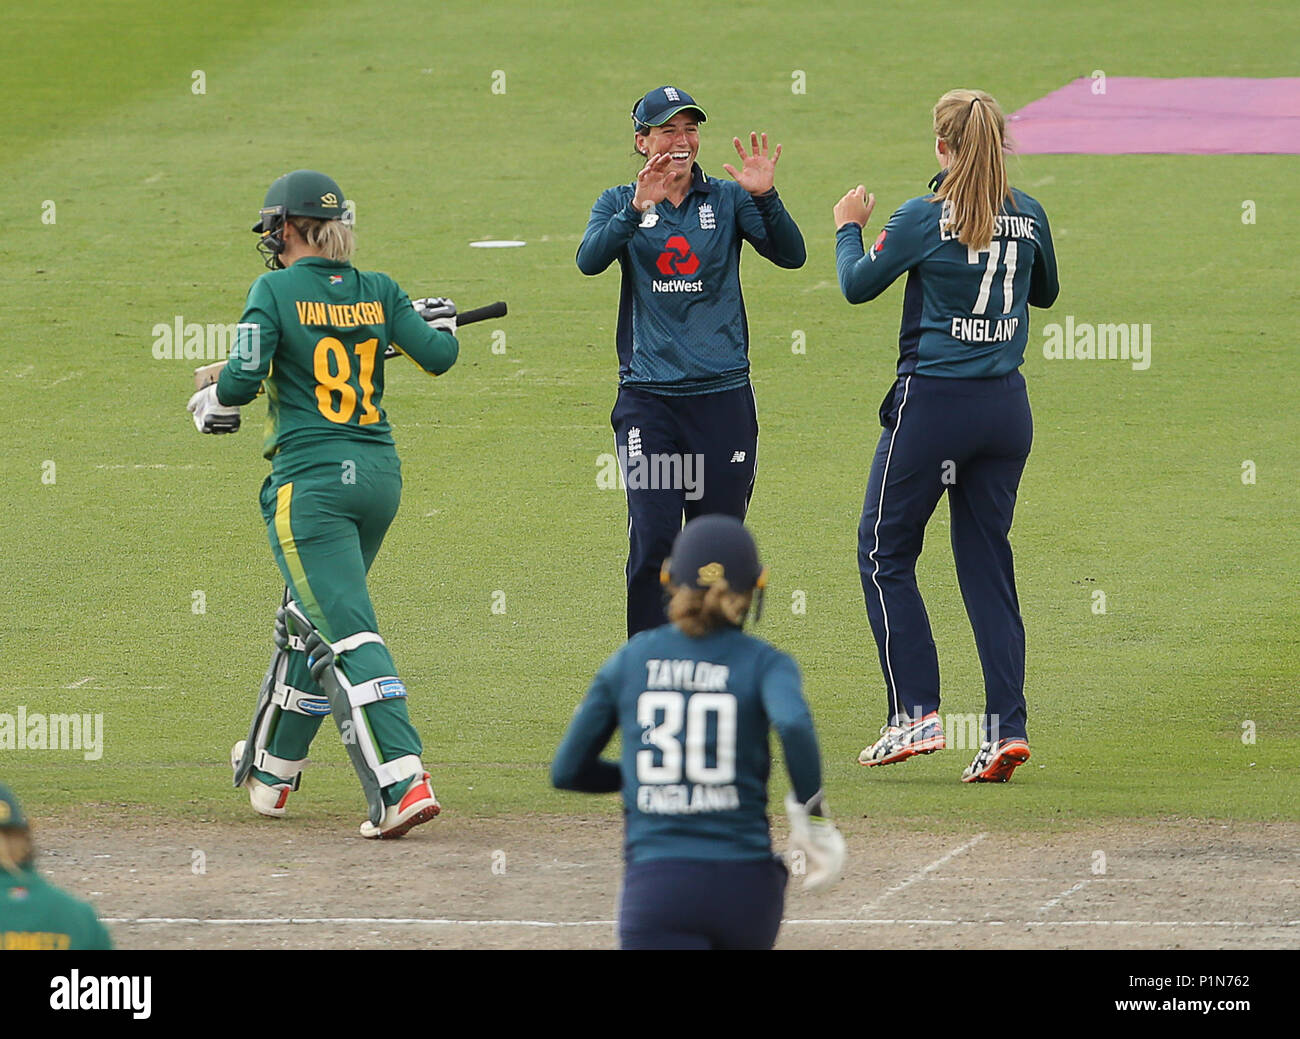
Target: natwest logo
{"x":677,"y":257}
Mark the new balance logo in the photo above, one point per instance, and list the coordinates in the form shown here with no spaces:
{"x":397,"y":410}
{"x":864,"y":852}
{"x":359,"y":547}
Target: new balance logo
{"x":738,"y":456}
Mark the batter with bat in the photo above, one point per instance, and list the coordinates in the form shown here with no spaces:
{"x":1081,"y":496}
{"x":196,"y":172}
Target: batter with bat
{"x":313,"y":336}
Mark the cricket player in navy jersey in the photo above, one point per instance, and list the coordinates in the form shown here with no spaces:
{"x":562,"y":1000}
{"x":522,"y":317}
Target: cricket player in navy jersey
{"x":695,"y":699}
{"x":977,"y":253}
{"x":685,"y":423}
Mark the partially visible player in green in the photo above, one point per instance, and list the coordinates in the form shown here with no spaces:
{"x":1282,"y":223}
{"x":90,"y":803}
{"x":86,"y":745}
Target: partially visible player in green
{"x":34,"y":914}
{"x":313,"y":336}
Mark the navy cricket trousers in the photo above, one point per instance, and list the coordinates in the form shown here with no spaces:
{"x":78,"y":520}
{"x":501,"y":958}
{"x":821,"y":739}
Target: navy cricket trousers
{"x":969,"y":437}
{"x":681,"y":457}
{"x":702,"y":904}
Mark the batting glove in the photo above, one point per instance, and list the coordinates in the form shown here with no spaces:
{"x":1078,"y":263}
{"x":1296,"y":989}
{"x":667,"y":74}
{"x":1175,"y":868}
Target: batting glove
{"x":437,"y":312}
{"x":210,"y":415}
{"x":815,"y":843}
{"x":320,"y":655}
{"x":281,"y":631}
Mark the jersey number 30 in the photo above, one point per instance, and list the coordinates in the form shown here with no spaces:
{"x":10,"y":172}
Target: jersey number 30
{"x":664,"y":715}
{"x":333,"y":370}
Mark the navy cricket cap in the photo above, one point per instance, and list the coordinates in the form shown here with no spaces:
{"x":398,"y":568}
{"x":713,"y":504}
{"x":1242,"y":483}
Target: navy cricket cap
{"x":11,"y":812}
{"x":660,"y":105}
{"x":712,"y":548}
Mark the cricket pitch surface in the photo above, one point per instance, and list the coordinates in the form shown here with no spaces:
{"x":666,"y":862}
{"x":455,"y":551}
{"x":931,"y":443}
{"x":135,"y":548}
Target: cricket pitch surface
{"x":552,"y":882}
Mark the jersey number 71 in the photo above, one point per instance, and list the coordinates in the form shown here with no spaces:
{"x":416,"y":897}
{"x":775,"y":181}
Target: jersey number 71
{"x":986,"y":283}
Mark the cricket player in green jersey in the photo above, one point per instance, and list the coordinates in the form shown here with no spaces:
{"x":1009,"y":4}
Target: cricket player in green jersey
{"x":34,"y":914}
{"x":313,"y":337}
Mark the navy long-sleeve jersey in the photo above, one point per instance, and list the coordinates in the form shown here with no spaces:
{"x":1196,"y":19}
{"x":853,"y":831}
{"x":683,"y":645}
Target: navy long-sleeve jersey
{"x":681,"y":316}
{"x":965,"y":314}
{"x":695,"y":715}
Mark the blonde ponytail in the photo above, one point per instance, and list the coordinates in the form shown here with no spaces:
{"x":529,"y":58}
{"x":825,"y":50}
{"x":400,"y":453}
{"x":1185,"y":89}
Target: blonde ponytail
{"x":333,"y":238}
{"x":973,"y":127}
{"x":701,"y":611}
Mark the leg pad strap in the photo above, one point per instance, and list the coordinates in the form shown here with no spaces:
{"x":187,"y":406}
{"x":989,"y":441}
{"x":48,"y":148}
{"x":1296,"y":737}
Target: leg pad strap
{"x":284,"y":770}
{"x":395,"y":771}
{"x":390,"y":687}
{"x":288,"y":698}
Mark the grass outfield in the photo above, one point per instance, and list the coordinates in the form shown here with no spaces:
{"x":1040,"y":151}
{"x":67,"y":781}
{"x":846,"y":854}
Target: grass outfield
{"x":1134,"y":487}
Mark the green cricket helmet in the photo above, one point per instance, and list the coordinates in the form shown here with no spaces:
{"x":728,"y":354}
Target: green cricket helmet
{"x":11,"y":812}
{"x":300,"y":193}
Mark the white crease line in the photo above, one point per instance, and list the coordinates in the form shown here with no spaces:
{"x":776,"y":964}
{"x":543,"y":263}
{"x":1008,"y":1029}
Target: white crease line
{"x":981,"y":879}
{"x":1063,"y":895}
{"x":106,"y":689}
{"x":1158,"y":923}
{"x":148,"y":465}
{"x":366,"y":920}
{"x":923,"y":871}
{"x":80,"y":682}
{"x":814,"y":921}
{"x":1048,"y":923}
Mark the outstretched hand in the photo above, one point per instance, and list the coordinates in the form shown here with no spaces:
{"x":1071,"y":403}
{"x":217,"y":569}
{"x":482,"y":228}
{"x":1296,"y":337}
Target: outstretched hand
{"x":653,"y":181}
{"x":757,"y":171}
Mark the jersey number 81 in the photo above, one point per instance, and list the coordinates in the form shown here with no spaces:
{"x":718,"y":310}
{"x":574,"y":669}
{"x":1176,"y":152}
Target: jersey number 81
{"x":333,"y":370}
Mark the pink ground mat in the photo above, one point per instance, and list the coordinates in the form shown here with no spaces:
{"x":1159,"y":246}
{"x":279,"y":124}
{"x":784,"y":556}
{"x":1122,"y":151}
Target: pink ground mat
{"x":1194,"y":116}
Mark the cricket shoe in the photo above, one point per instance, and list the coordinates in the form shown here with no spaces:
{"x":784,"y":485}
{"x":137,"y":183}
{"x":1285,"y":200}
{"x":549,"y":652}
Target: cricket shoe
{"x":418,"y":805}
{"x":900,"y":742}
{"x":995,"y":764}
{"x":266,"y":800}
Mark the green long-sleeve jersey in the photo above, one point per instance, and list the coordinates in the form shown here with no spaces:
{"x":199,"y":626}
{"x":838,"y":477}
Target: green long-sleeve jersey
{"x":36,"y":915}
{"x":313,"y":336}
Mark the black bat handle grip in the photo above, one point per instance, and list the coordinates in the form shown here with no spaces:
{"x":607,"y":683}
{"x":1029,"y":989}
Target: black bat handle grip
{"x":497,"y":309}
{"x":492,"y":310}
